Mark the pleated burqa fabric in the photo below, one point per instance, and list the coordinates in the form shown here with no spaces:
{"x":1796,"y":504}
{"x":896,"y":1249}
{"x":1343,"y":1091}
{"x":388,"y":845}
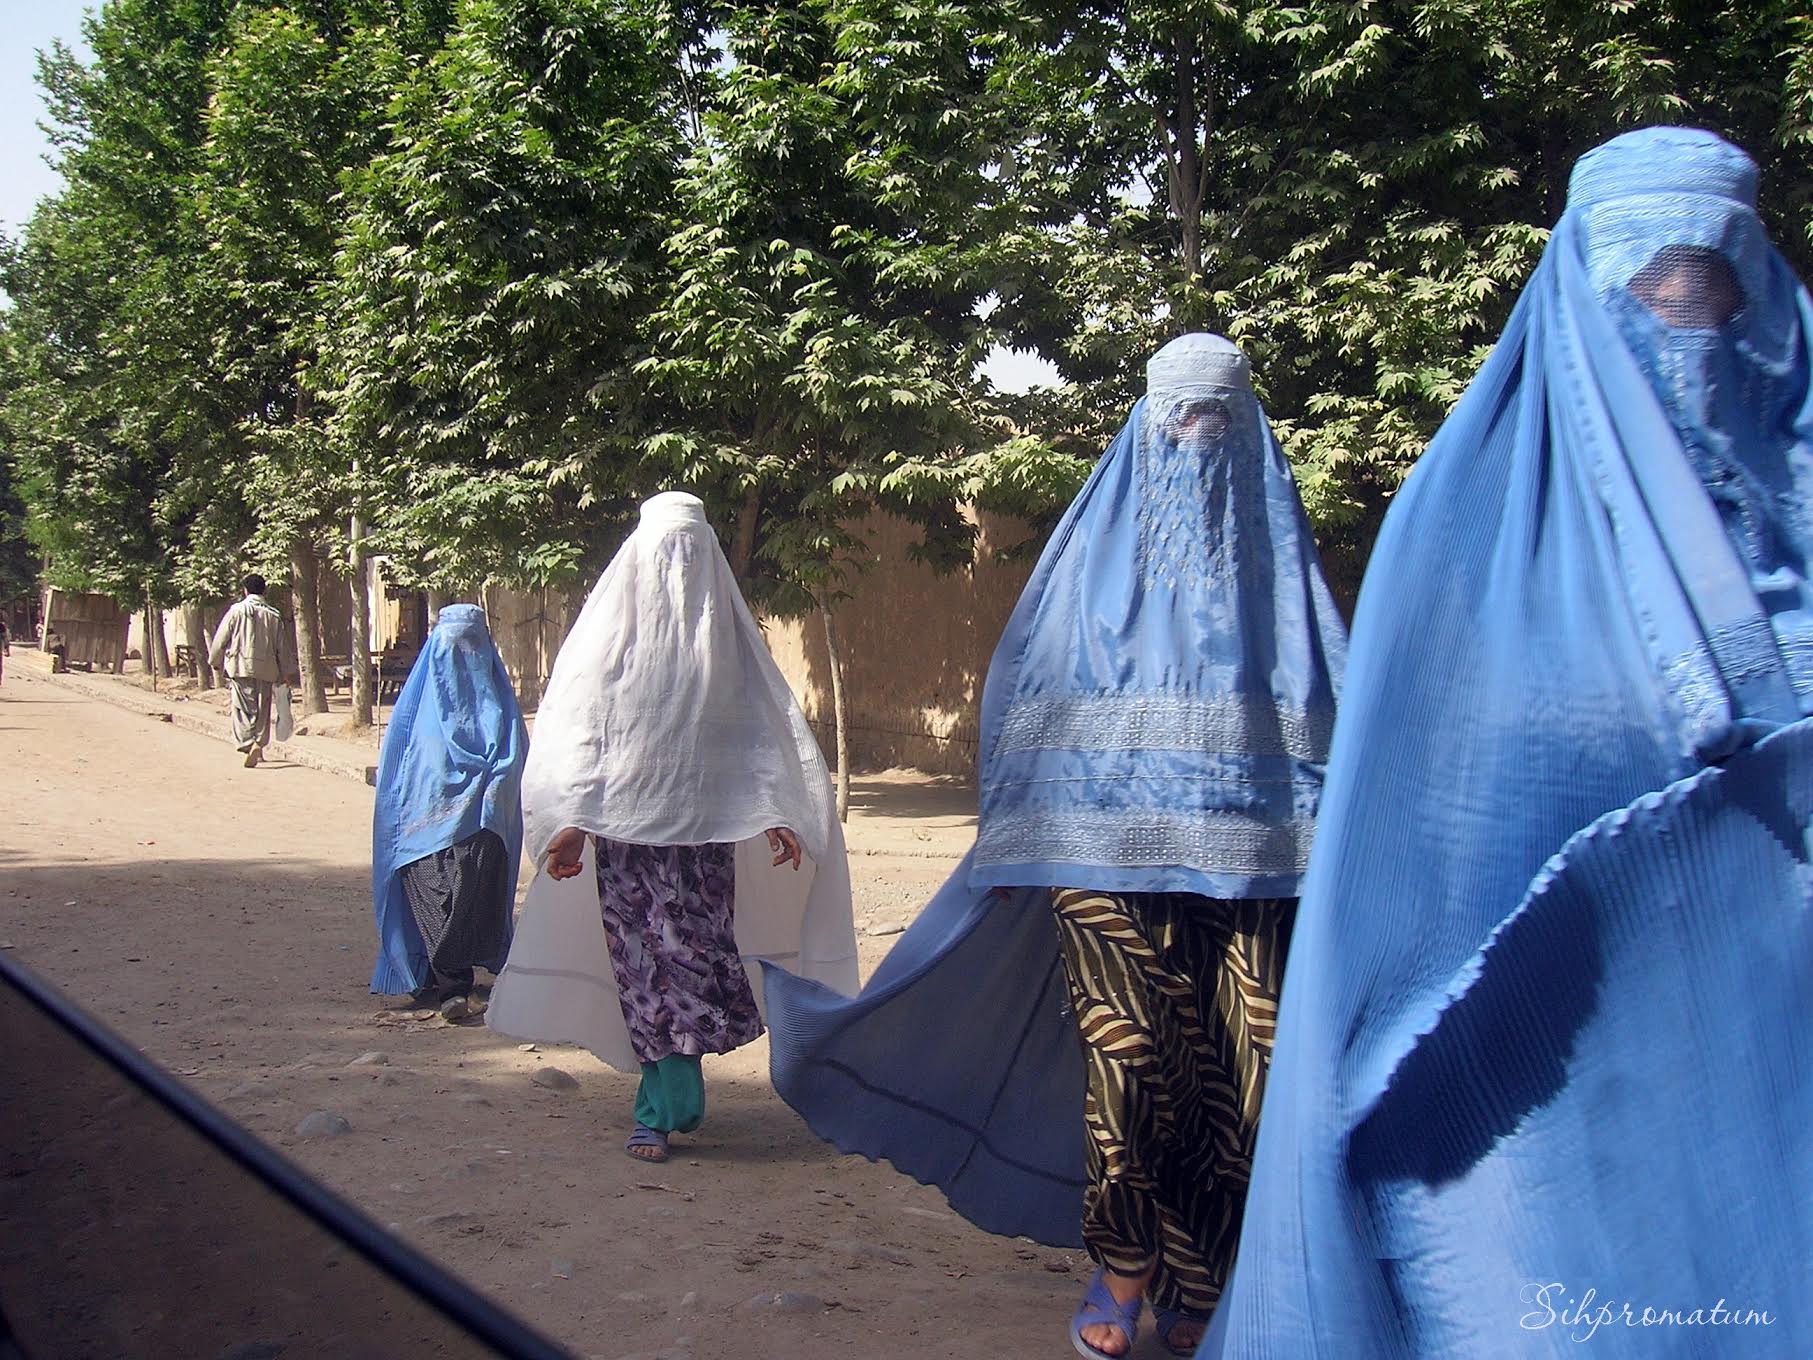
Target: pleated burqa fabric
{"x":1543,"y":1060}
{"x":1155,"y":720}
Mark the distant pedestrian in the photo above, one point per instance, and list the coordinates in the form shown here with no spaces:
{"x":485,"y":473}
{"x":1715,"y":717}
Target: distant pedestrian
{"x":6,"y":647}
{"x":447,"y":831}
{"x":254,"y":649}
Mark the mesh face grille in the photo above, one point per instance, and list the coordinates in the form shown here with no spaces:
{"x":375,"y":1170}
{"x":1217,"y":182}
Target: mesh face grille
{"x":1197,"y":420}
{"x":1689,"y":286}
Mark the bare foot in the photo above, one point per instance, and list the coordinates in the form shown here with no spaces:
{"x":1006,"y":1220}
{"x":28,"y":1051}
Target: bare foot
{"x":646,"y":1144}
{"x":1105,"y":1336}
{"x":1107,"y":1339}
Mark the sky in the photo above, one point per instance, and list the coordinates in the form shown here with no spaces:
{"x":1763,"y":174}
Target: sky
{"x":1019,"y":370}
{"x":29,"y":26}
{"x":26,"y":27}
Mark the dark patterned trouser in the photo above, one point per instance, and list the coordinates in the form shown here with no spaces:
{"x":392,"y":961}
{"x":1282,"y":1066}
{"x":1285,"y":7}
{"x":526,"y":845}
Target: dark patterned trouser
{"x":1176,"y":998}
{"x":462,"y":901}
{"x":669,"y":911}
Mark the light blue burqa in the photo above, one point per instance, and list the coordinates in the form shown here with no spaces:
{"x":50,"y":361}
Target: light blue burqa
{"x":1155,"y":720}
{"x":1544,"y":1056}
{"x":1157,"y":715}
{"x":451,"y":766}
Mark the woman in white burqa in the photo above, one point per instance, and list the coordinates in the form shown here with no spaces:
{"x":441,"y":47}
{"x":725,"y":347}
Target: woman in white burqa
{"x":672,"y":794}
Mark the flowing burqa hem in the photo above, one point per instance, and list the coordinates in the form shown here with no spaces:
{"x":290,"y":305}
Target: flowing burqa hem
{"x":959,"y":1063}
{"x":559,"y":986}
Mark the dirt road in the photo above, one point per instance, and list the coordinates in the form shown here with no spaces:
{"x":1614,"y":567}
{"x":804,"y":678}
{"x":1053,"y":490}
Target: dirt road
{"x":220,"y":919}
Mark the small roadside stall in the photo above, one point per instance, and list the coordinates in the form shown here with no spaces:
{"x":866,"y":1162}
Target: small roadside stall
{"x":88,"y":631}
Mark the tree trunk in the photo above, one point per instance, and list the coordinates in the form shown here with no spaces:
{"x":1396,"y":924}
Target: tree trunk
{"x":149,"y":650}
{"x":838,"y":714}
{"x":196,"y":635}
{"x":742,"y":545}
{"x":160,"y":645}
{"x":326,"y":599}
{"x":437,"y":601}
{"x":542,"y":620}
{"x":358,"y":647}
{"x":304,"y":568}
{"x":1186,"y":136}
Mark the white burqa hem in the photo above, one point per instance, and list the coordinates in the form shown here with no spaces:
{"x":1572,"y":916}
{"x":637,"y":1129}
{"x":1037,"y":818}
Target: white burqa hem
{"x":666,"y":722}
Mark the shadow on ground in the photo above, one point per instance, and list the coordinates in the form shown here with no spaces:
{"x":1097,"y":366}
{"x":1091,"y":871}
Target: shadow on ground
{"x":920,"y":797}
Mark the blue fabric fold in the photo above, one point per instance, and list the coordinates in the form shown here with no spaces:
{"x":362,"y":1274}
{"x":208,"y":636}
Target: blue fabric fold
{"x":1155,"y":720}
{"x":958,"y":1063}
{"x":451,"y":766}
{"x":1517,"y":1044}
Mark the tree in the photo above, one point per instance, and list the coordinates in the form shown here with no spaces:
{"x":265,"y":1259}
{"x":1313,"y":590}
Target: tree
{"x":482,"y":273}
{"x":18,"y":558}
{"x":489,"y":291}
{"x":816,"y":347}
{"x":86,"y":460}
{"x":1353,"y":191}
{"x":297,"y":95}
{"x":101,"y":393}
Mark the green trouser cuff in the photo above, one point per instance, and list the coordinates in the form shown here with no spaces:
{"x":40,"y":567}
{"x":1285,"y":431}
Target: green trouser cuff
{"x":671,"y":1097}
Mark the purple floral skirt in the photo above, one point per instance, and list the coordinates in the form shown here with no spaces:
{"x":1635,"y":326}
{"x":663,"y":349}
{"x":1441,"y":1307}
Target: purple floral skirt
{"x":667,"y":910}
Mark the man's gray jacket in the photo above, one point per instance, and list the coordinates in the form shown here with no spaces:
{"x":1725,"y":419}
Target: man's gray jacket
{"x":253,"y":643}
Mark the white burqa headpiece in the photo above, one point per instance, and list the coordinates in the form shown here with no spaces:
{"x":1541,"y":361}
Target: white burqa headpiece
{"x":666,"y":722}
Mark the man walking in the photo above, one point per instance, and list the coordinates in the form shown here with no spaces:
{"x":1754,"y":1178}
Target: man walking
{"x":254,"y":649}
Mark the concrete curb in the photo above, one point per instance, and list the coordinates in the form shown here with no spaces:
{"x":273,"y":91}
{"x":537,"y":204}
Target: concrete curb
{"x":349,"y":760}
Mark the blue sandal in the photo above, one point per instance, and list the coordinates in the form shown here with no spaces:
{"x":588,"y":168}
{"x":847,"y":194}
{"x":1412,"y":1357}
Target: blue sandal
{"x":1169,"y":1320}
{"x":1098,"y":1307}
{"x":642,"y":1136}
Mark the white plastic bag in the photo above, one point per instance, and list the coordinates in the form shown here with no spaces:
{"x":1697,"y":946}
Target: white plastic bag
{"x":283,"y":718}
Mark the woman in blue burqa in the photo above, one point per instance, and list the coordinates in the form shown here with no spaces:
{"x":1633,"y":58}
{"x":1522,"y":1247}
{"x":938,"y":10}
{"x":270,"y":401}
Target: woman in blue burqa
{"x":447,"y":829}
{"x":1545,"y":1058}
{"x":1072,"y":1039}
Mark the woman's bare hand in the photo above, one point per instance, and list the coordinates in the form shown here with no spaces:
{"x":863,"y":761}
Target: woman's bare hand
{"x":565,"y":851}
{"x":786,"y":847}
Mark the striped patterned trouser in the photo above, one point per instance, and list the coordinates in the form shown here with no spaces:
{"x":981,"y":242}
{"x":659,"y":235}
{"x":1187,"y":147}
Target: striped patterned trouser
{"x":1176,"y":997}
